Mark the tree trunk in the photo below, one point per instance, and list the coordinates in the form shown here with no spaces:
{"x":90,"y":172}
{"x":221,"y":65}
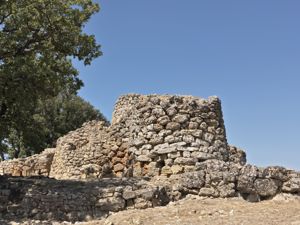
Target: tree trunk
{"x":16,"y":153}
{"x":2,"y":155}
{"x":27,"y":152}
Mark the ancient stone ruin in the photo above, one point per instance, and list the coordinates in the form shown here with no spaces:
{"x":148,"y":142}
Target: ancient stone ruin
{"x":158,"y":149}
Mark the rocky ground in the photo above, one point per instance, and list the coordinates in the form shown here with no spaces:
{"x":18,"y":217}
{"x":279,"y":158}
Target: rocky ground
{"x":283,"y":209}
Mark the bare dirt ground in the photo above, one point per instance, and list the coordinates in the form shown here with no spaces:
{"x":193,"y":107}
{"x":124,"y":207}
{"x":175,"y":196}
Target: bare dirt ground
{"x":192,"y":210}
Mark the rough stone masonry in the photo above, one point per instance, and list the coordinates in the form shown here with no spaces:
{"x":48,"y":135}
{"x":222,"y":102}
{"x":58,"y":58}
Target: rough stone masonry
{"x":173,"y":145}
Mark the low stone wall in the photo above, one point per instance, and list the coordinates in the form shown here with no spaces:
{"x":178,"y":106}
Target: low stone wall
{"x":36,"y":165}
{"x":92,"y":151}
{"x":49,"y":199}
{"x":215,"y":178}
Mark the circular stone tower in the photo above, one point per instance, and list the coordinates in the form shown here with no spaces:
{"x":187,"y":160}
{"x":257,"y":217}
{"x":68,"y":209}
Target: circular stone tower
{"x":150,"y":135}
{"x":170,"y":134}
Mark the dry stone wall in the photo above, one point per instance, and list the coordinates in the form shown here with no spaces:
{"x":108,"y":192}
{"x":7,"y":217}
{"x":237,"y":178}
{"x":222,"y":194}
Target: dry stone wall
{"x":73,"y":200}
{"x":159,"y":148}
{"x":170,"y":134}
{"x":36,"y":165}
{"x":60,"y":200}
{"x":150,"y":135}
{"x":93,"y":151}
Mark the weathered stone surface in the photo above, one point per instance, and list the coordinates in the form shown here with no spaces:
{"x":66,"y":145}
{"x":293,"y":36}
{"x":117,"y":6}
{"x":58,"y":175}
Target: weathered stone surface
{"x":185,"y":161}
{"x":193,"y":180}
{"x":188,"y":138}
{"x":202,"y":155}
{"x":292,"y":185}
{"x":193,"y":125}
{"x":143,"y":158}
{"x":129,"y":195}
{"x":166,"y":150}
{"x":49,"y":199}
{"x":156,"y":140}
{"x":275,"y":172}
{"x":227,"y":190}
{"x":236,"y":155}
{"x":118,"y":167}
{"x":153,"y":169}
{"x":181,"y":118}
{"x":246,"y":179}
{"x":36,"y":165}
{"x":177,"y":143}
{"x":163,"y":120}
{"x":166,"y":170}
{"x":171,"y":111}
{"x":208,"y":192}
{"x":173,"y":126}
{"x":110,"y":204}
{"x":176,"y":169}
{"x":266,"y":187}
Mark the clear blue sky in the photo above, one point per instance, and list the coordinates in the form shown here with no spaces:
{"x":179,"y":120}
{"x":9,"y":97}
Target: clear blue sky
{"x":245,"y":52}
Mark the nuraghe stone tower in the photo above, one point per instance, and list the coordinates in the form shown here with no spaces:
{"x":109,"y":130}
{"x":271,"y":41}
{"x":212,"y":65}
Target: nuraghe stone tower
{"x":149,"y":136}
{"x":177,"y":142}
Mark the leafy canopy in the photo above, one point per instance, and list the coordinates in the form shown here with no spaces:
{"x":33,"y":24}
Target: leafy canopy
{"x":46,"y":30}
{"x":38,"y":39}
{"x":52,"y":119}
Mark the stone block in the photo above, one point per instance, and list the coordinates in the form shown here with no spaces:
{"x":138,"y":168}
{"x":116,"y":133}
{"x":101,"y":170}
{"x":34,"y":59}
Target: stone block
{"x":156,"y":140}
{"x":173,"y":126}
{"x":170,"y":139}
{"x":164,"y":120}
{"x":138,"y":142}
{"x":143,"y":158}
{"x":227,"y":190}
{"x":181,"y":118}
{"x":188,"y":138}
{"x":292,"y":185}
{"x":266,"y":187}
{"x":141,"y":203}
{"x":129,"y":195}
{"x":176,"y":169}
{"x":210,"y":192}
{"x":185,"y":161}
{"x":118,"y":167}
{"x":111,"y":204}
{"x":246,"y":179}
{"x":202,"y":155}
{"x":166,"y":170}
{"x":171,"y":111}
{"x":174,"y":155}
{"x":209,"y":137}
{"x":153,"y":169}
{"x":193,"y":125}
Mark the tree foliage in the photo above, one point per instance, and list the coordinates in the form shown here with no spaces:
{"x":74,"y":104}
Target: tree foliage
{"x":38,"y":39}
{"x":52,"y":119}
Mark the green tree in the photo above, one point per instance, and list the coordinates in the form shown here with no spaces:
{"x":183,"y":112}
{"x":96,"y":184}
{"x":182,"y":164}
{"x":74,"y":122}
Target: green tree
{"x":38,"y":39}
{"x":52,"y":119}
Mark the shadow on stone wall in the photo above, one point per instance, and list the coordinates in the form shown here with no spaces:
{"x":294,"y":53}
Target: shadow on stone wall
{"x":43,"y":198}
{"x":58,"y":200}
